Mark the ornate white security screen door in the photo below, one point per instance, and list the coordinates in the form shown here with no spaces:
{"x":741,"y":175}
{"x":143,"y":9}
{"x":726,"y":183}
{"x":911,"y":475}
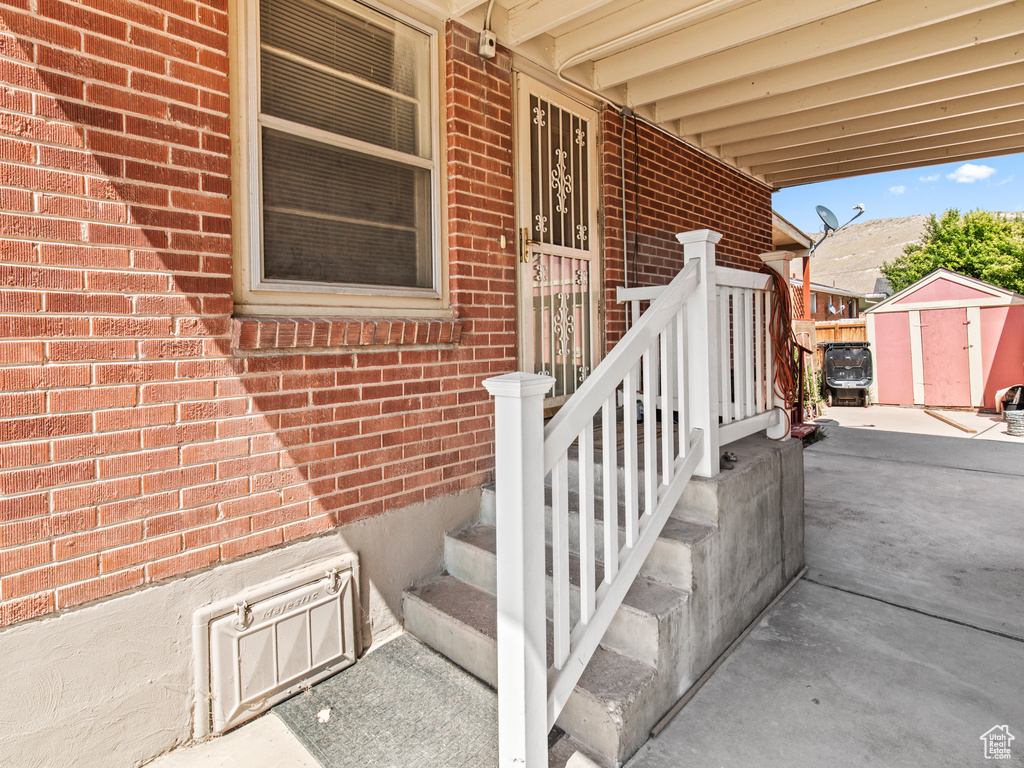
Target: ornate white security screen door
{"x":559,"y":279}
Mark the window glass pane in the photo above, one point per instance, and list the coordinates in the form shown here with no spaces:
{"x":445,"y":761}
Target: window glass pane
{"x":336,"y":71}
{"x":327,"y":35}
{"x":335,"y":216}
{"x":301,"y":94}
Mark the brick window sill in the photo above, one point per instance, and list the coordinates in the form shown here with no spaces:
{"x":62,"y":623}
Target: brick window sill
{"x":314,"y":332}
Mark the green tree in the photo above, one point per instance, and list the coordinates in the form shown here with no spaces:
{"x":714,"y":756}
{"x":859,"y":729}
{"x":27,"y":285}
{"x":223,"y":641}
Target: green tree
{"x":988,"y":246}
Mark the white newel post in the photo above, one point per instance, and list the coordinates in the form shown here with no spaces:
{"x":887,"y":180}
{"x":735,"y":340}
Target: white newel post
{"x":702,"y":345}
{"x":779,"y":430}
{"x":522,"y":621}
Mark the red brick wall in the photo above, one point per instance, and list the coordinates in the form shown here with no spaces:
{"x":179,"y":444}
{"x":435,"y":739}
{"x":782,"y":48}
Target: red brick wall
{"x":675,"y":189}
{"x":841,"y":304}
{"x":143,"y":433}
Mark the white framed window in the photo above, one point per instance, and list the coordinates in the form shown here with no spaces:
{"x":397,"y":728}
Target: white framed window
{"x":342,"y":150}
{"x":814,"y":302}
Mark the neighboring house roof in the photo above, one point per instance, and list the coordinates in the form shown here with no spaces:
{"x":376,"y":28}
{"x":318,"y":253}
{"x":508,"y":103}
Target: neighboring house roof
{"x":853,"y":256}
{"x":786,"y":236}
{"x":831,"y":289}
{"x":954,"y":290}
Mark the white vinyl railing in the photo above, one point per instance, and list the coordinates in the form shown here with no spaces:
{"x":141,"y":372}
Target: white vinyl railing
{"x":745,"y":376}
{"x":672,"y":353}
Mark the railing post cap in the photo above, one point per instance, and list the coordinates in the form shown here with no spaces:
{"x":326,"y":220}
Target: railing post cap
{"x":773,"y":257}
{"x":778,"y":261}
{"x":519,"y":384}
{"x":699,"y":236}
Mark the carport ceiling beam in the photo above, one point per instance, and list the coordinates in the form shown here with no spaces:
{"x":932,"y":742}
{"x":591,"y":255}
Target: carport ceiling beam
{"x":907,"y":120}
{"x":459,"y":7}
{"x":883,"y":63}
{"x":876,"y":21}
{"x":628,"y":24}
{"x":840,"y":170}
{"x":939,"y":78}
{"x":998,"y":122}
{"x":531,"y":19}
{"x":742,"y":25}
{"x":1001,"y":136}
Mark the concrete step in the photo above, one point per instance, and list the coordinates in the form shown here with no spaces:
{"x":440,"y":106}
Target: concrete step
{"x":563,"y":754}
{"x":698,"y":503}
{"x":650,"y":625}
{"x":671,"y":557}
{"x":614,"y":704}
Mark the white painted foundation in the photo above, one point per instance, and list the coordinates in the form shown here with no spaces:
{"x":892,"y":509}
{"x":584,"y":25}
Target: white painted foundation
{"x":111,"y":684}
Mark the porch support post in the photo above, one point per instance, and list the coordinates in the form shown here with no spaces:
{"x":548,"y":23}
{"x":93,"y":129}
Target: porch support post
{"x":702,"y":346}
{"x":806,"y":287}
{"x":522,"y":622}
{"x":780,"y":262}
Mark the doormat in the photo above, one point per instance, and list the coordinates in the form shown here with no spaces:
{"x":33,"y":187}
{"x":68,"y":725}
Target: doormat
{"x":402,"y":705}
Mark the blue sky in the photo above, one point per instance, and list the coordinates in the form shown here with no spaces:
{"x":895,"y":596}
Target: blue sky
{"x":994,"y":184}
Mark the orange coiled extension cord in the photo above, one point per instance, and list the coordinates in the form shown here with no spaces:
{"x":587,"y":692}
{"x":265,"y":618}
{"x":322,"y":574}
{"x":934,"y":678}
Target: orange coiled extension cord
{"x":781,"y":330}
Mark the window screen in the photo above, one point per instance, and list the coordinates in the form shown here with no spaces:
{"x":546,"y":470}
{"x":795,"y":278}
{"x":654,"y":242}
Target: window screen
{"x":346,"y":146}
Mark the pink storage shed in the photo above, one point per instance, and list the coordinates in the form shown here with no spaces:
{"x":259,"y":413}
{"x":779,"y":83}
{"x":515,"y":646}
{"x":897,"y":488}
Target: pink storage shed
{"x":947,"y":340}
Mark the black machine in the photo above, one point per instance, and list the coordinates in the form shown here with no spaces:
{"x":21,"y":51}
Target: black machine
{"x":847,"y":369}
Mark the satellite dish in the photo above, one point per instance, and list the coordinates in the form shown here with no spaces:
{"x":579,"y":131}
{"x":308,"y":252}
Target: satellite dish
{"x":831,"y":222}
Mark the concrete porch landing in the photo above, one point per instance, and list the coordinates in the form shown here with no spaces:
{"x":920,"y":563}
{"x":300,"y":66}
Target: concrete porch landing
{"x":402,"y":705}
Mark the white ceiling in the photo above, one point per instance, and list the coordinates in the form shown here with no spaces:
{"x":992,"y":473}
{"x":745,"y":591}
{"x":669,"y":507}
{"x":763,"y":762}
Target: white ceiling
{"x":791,"y":91}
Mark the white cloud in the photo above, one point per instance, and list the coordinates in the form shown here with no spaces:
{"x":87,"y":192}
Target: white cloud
{"x":968,"y":173}
{"x":930,"y":179}
{"x":898,"y":190}
{"x":1007,"y":180}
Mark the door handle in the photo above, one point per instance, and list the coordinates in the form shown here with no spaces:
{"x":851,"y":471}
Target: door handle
{"x":524,"y":245}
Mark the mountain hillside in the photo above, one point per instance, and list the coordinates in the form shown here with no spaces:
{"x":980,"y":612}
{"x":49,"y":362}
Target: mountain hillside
{"x":852,"y":257}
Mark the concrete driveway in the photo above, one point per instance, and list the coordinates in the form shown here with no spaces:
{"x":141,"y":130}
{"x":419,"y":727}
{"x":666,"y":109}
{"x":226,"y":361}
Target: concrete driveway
{"x":904,"y":645}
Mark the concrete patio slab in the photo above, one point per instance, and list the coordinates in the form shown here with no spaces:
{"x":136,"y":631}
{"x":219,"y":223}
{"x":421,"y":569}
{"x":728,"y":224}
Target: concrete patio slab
{"x":905,"y":652}
{"x":833,"y":679}
{"x":941,"y":451}
{"x":892,"y":418}
{"x":932,"y":523}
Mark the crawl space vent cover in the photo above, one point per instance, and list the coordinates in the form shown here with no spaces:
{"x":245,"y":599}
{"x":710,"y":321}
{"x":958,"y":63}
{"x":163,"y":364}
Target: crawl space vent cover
{"x":267,"y":643}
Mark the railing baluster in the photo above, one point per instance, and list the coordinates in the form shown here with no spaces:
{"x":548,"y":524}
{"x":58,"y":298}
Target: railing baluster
{"x":769,"y":355}
{"x":759,"y":350}
{"x":682,"y":372}
{"x":560,"y":558}
{"x":725,"y":347}
{"x":629,"y":459}
{"x":741,"y":321}
{"x":650,"y":432}
{"x":752,"y":334}
{"x":667,"y":405}
{"x":586,"y":477}
{"x":610,"y":476}
{"x":738,"y":348}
